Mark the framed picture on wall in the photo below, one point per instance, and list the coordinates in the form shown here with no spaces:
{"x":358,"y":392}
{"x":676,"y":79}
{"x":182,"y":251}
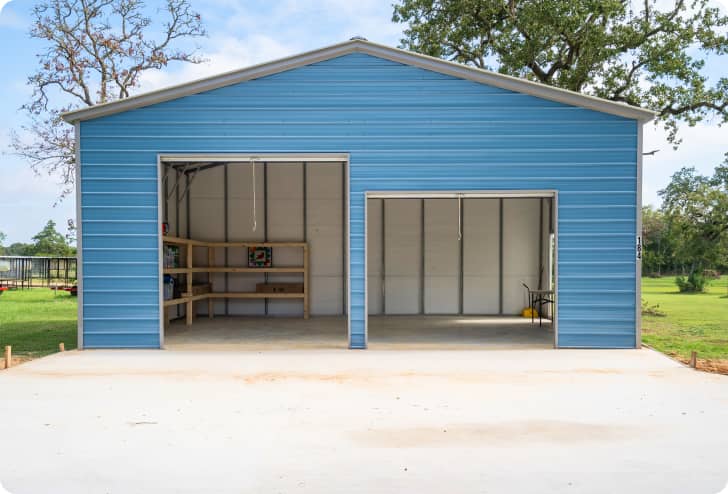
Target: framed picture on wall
{"x":260,"y":257}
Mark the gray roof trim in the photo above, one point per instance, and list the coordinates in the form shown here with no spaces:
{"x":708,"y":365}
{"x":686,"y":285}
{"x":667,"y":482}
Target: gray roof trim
{"x":361,"y":46}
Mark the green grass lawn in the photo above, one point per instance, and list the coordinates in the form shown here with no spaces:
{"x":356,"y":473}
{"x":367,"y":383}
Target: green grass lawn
{"x":697,"y":321}
{"x":35,"y":321}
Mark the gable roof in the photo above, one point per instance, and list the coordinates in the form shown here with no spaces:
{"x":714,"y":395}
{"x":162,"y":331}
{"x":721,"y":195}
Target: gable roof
{"x":358,"y":45}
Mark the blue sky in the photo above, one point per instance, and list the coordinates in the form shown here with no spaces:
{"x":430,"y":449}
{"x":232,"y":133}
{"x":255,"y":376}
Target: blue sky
{"x":242,"y":33}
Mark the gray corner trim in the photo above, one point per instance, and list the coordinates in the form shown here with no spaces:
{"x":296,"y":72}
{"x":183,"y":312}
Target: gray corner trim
{"x":160,"y":248}
{"x":500,"y":256}
{"x":638,"y":262}
{"x":79,"y":236}
{"x":361,"y":46}
{"x":347,"y":167}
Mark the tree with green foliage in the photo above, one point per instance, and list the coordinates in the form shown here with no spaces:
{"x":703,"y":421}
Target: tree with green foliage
{"x":3,"y":237}
{"x":696,"y":209}
{"x":50,"y":243}
{"x":19,"y":249}
{"x":652,"y":57}
{"x":656,"y":242}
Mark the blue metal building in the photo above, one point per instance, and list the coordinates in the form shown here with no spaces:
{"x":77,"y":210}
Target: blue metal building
{"x":403,"y":125}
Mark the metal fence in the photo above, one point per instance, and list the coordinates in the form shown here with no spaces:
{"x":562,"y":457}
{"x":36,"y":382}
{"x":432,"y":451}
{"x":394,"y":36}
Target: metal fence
{"x":28,"y":272}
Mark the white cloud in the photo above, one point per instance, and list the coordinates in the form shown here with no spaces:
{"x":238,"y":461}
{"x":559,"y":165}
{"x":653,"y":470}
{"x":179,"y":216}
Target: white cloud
{"x":230,"y":54}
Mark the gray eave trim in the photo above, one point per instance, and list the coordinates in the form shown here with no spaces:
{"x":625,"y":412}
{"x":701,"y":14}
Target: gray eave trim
{"x":367,"y":47}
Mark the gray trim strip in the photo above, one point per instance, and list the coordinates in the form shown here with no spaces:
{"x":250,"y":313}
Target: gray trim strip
{"x":369,"y":48}
{"x":638,"y":263}
{"x":79,"y":236}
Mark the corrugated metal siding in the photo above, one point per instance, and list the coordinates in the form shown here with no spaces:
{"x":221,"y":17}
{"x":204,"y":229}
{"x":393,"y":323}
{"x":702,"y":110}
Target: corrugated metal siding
{"x":405,"y":129}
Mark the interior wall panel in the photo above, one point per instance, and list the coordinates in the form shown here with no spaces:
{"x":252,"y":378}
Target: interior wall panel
{"x":520,"y":251}
{"x":442,"y":256}
{"x":402,"y":256}
{"x":325,"y":236}
{"x":374,"y":256}
{"x":285,"y":224}
{"x":207,"y":222}
{"x":240,"y":228}
{"x":481,"y":256}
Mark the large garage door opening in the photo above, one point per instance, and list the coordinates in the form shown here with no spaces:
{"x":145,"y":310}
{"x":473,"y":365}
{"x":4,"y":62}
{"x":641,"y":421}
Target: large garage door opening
{"x":460,"y":270}
{"x":254,"y":253}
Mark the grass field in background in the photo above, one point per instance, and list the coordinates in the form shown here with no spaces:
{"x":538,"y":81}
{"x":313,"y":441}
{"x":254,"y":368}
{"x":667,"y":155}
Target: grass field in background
{"x":35,"y":321}
{"x":695,"y":321}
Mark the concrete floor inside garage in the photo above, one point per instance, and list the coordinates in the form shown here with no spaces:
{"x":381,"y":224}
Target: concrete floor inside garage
{"x":385,"y":332}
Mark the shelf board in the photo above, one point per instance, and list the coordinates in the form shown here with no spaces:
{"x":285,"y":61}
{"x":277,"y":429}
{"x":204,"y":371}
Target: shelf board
{"x":292,"y":269}
{"x":199,"y":243}
{"x":175,"y":270}
{"x":254,"y":295}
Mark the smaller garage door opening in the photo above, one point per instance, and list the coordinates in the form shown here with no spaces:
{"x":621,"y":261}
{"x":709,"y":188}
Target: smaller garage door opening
{"x":460,"y":270}
{"x":254,"y":253}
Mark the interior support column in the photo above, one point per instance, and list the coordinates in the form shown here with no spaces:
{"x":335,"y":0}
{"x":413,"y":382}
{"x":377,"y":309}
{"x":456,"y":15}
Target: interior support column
{"x":500,"y":257}
{"x":384,"y":263}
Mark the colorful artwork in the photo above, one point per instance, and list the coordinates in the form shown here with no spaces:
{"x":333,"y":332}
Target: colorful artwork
{"x":260,"y":257}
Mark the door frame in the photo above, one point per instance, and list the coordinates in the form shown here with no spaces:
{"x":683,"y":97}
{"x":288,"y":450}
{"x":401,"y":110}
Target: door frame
{"x":464,"y":194}
{"x":244,"y":157}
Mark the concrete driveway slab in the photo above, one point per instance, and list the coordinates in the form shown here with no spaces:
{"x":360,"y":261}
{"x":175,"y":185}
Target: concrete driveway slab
{"x":362,"y":421}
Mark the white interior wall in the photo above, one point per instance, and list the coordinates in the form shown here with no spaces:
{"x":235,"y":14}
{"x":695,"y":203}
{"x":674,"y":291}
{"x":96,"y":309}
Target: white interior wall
{"x":402,"y":256}
{"x":481,"y":256}
{"x":374,"y":256}
{"x":285,"y":223}
{"x":325,"y":217}
{"x":442,"y":256}
{"x":240,"y":228}
{"x":520,"y":251}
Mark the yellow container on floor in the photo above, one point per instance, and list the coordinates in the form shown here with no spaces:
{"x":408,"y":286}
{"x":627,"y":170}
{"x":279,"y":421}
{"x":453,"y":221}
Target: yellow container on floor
{"x":529,"y":312}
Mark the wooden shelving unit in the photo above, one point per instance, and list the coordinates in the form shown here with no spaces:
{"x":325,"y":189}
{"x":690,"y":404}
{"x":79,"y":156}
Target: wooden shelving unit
{"x":189,"y":299}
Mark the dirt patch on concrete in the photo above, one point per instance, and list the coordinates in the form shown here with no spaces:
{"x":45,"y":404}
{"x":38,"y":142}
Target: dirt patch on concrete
{"x":499,"y":434}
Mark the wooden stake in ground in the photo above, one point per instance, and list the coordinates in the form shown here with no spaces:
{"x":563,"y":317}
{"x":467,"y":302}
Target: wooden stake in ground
{"x":8,"y":356}
{"x":694,"y":359}
{"x":61,"y":347}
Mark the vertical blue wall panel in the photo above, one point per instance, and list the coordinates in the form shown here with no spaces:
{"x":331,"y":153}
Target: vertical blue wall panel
{"x":405,"y":128}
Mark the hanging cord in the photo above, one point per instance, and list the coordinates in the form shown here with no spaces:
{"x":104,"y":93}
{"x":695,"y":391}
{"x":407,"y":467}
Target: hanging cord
{"x":255,"y":186}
